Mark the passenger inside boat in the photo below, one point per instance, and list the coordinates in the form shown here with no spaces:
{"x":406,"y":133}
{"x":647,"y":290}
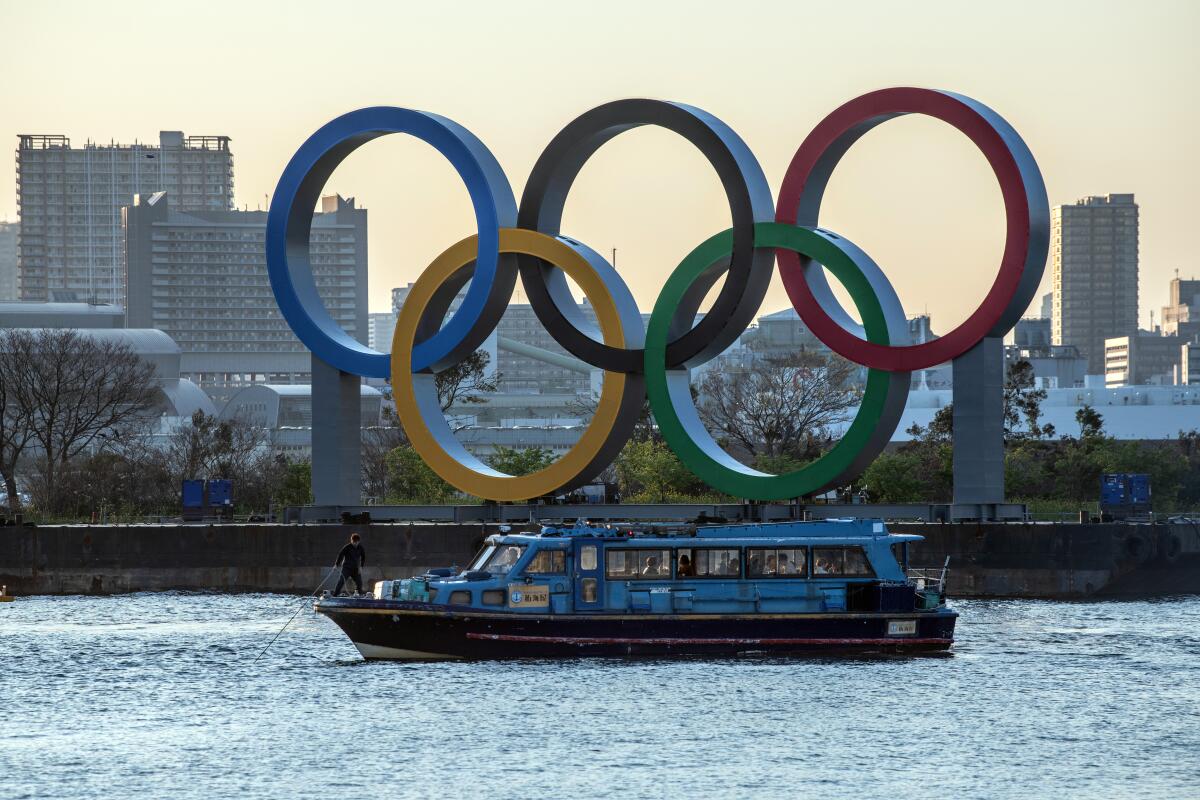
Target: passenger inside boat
{"x":504,"y":560}
{"x":652,"y":568}
{"x":685,"y":568}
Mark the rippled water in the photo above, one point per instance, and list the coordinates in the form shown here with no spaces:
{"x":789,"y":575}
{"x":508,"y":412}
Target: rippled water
{"x":157,"y":695}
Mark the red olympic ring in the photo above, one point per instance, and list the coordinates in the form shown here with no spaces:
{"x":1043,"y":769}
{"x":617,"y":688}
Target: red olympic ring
{"x":1025,"y":204}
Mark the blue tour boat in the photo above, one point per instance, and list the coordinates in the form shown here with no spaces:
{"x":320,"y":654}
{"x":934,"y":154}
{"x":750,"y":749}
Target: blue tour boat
{"x":793,"y":587}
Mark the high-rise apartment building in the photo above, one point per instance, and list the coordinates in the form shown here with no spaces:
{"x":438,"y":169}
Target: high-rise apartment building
{"x":381,"y":325}
{"x":70,"y":200}
{"x":1094,"y":252}
{"x":201,"y":277}
{"x":9,"y":232}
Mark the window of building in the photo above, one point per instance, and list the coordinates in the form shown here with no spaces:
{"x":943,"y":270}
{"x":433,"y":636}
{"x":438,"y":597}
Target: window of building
{"x":850,"y":562}
{"x":547,"y":562}
{"x":787,"y":562}
{"x":637,"y":564}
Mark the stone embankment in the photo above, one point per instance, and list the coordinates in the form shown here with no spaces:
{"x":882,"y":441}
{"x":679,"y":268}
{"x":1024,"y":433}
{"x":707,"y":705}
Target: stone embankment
{"x":986,"y":560}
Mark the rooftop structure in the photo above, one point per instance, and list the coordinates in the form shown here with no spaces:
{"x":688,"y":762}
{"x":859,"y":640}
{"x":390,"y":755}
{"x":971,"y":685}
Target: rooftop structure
{"x":60,"y":315}
{"x":286,"y":411}
{"x":1181,"y":317}
{"x":70,"y":201}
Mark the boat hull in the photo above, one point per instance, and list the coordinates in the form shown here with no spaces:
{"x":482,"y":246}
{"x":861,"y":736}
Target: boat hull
{"x":406,"y":630}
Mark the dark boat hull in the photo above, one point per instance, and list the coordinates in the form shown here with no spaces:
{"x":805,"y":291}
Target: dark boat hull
{"x":405,"y":630}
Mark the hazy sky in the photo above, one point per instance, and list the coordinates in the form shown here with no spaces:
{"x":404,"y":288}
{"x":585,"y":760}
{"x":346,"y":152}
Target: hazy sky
{"x":1105,"y":94}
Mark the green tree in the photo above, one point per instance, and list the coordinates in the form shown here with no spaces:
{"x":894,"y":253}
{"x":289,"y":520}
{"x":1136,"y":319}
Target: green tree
{"x":1023,"y":404}
{"x":1091,"y":424}
{"x":410,"y":480}
{"x":650,"y":472}
{"x":520,"y":461}
{"x":294,"y":484}
{"x":895,"y":478}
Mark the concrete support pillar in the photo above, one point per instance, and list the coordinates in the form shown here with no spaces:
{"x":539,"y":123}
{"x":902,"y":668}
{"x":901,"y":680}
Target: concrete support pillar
{"x":979,"y":424}
{"x":336,"y":436}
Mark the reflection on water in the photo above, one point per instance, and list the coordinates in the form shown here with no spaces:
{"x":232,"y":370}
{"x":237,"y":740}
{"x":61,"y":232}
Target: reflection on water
{"x":157,"y":695}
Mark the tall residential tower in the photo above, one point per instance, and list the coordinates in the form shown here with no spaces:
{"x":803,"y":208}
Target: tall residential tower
{"x":70,"y":200}
{"x":201,"y":276}
{"x":1094,"y":251}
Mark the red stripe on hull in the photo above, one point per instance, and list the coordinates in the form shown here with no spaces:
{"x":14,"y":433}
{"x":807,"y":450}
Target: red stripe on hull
{"x":501,"y":637}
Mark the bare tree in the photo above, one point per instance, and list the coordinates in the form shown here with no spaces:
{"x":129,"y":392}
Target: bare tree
{"x":15,"y":429}
{"x":466,"y":382}
{"x":210,"y":448}
{"x":778,"y":407}
{"x":377,"y":442}
{"x":73,"y":390}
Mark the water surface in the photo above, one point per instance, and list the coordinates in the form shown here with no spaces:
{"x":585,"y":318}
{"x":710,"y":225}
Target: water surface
{"x":158,"y":695}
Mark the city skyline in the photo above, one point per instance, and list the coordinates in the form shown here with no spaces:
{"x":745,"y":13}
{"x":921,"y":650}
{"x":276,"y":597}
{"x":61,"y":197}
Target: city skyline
{"x":914,"y":193}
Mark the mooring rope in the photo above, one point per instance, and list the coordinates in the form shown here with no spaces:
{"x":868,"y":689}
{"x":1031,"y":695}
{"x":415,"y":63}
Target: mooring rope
{"x":332,"y":572}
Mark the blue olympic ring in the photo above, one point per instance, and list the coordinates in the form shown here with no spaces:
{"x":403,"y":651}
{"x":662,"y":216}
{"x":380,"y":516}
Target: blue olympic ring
{"x":289,"y":223}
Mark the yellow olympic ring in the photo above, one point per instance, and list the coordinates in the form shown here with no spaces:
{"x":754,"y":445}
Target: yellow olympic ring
{"x":420,"y":412}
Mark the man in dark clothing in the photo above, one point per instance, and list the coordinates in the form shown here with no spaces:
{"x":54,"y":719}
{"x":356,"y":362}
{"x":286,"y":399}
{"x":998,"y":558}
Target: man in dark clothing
{"x":352,"y":558}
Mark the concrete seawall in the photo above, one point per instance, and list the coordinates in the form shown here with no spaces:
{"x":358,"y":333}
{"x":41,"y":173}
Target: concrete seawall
{"x":988,"y":560}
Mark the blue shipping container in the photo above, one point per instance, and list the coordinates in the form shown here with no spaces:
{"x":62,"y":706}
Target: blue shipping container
{"x":1125,"y":490}
{"x":1112,"y":490}
{"x":1139,"y":490}
{"x":193,"y":494}
{"x":220,"y":493}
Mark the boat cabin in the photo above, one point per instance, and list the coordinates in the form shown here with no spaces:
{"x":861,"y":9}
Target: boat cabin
{"x":789,"y":567}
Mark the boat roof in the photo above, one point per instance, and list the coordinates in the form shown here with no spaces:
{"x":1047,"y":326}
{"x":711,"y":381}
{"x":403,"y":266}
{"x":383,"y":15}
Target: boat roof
{"x":816,"y":532}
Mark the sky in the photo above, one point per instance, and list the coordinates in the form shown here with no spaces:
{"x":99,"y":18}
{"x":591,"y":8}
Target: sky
{"x":1104,"y":93}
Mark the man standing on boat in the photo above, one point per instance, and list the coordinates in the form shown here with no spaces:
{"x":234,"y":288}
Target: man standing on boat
{"x":352,"y":558}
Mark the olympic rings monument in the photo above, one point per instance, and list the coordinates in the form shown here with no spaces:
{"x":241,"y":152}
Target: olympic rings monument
{"x":526,"y":241}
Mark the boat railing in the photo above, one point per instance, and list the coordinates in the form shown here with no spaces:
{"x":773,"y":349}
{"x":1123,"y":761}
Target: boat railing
{"x":931,"y":580}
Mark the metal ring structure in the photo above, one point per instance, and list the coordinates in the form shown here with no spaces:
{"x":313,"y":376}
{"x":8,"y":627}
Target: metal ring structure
{"x":750,"y":201}
{"x":1026,"y":208}
{"x":882,"y":402}
{"x":416,"y":397}
{"x":289,"y":224}
{"x":654,"y":361}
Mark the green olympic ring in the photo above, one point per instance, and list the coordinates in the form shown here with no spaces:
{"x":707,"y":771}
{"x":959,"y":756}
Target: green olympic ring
{"x":675,"y":411}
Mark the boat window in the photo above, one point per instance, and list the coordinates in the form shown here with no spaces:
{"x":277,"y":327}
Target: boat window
{"x":850,"y":562}
{"x":460,"y":598}
{"x":505,"y":557}
{"x":637,"y":564}
{"x":481,"y":559}
{"x":587,"y":557}
{"x":587,"y":590}
{"x":708,"y":563}
{"x":493,"y":597}
{"x":547,"y":562}
{"x":781,"y":562}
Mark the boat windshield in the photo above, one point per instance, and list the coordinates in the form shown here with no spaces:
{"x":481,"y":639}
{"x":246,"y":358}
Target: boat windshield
{"x":482,"y":558}
{"x":503,"y":560}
